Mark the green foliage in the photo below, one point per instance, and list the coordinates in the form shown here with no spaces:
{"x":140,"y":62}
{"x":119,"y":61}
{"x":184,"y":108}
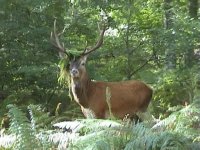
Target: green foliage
{"x":169,"y":92}
{"x":64,"y":77}
{"x":184,"y":121}
{"x":28,"y":62}
{"x":39,"y":119}
{"x":20,"y":126}
{"x":72,"y":111}
{"x":24,"y":130}
{"x":134,"y":137}
{"x":174,"y":88}
{"x":177,"y":131}
{"x":136,"y":35}
{"x":21,"y":98}
{"x":99,"y":134}
{"x":145,"y":139}
{"x":137,"y":46}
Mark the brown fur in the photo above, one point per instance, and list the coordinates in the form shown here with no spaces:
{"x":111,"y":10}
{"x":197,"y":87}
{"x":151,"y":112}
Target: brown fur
{"x":127,"y":97}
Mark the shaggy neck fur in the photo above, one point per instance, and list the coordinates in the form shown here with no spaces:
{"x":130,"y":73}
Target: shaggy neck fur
{"x":80,"y":88}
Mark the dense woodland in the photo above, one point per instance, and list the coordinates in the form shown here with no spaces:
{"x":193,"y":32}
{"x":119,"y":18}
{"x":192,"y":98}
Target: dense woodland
{"x":155,"y":41}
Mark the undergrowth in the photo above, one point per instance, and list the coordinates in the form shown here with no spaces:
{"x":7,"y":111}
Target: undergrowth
{"x":180,"y":130}
{"x":21,"y":128}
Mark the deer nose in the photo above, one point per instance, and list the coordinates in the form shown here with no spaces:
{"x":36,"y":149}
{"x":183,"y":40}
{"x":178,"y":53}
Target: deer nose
{"x":74,"y":72}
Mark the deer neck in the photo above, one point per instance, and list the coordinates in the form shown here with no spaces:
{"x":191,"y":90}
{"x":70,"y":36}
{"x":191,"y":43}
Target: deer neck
{"x":80,"y":89}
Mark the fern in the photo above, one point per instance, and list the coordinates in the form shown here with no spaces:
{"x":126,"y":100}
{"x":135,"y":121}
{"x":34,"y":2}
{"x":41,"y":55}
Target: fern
{"x":185,"y":121}
{"x":39,"y":118}
{"x":20,"y":126}
{"x":99,"y":140}
{"x":94,"y":131}
{"x":143,"y":138}
{"x":25,"y":131}
{"x":178,"y":131}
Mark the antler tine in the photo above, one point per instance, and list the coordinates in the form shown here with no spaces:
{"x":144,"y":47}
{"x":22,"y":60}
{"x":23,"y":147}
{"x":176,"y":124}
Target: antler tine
{"x":55,"y":41}
{"x":98,"y":43}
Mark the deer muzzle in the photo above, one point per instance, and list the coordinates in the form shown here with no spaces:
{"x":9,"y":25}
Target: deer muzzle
{"x":74,"y":73}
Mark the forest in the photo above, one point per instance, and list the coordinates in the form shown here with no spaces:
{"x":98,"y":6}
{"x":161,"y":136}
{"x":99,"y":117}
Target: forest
{"x":154,"y":41}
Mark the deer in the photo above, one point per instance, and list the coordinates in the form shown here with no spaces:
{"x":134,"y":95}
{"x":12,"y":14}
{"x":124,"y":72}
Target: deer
{"x":126,"y":97}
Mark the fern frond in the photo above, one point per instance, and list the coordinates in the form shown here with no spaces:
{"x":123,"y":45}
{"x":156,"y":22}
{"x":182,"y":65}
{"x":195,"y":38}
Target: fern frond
{"x":146,"y":139}
{"x":185,"y":121}
{"x":20,"y":126}
{"x":39,"y":118}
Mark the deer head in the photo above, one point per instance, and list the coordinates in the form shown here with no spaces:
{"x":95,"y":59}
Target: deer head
{"x":77,"y":68}
{"x":76,"y":63}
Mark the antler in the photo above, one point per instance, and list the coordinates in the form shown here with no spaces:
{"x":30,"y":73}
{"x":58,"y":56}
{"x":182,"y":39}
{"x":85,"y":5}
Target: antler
{"x":55,"y":41}
{"x":98,"y":43}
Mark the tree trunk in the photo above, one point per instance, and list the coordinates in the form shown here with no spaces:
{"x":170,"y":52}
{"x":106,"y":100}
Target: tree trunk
{"x":193,"y":11}
{"x":168,"y":22}
{"x":170,"y":53}
{"x":193,"y":8}
{"x":127,"y":41}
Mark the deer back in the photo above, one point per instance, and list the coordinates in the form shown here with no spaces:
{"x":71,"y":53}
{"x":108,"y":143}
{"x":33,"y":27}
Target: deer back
{"x":126,"y":98}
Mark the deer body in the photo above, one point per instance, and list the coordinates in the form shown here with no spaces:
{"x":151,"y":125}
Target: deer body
{"x":127,"y":97}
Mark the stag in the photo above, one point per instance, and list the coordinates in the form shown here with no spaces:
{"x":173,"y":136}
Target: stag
{"x":127,"y":97}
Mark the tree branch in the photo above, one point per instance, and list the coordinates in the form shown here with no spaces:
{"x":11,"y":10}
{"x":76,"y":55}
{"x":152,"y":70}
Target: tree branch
{"x":144,"y":64}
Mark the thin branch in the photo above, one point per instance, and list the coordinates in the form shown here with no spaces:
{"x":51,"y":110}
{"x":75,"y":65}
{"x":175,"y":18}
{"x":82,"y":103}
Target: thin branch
{"x":131,"y":52}
{"x":144,"y":64}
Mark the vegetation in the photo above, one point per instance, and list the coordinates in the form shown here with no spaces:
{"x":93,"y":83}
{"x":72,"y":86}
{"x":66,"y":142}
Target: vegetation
{"x":178,"y":131}
{"x":149,"y":40}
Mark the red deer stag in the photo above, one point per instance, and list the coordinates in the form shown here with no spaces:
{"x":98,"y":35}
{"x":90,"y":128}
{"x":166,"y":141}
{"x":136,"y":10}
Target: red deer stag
{"x":127,"y":97}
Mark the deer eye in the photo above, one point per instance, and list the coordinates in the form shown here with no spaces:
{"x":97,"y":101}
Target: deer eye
{"x":83,"y":63}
